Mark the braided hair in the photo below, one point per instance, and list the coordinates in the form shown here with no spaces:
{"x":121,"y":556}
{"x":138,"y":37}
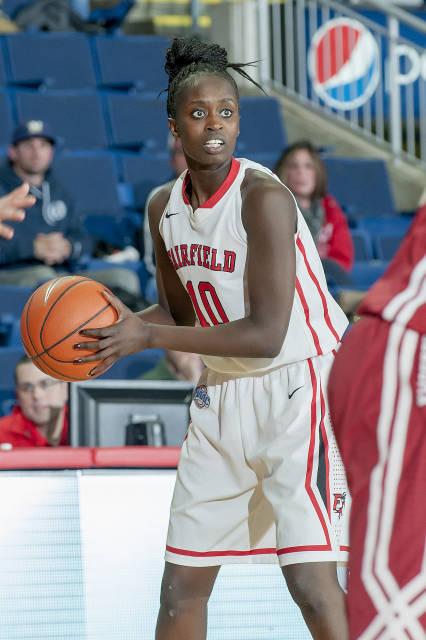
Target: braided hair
{"x":189,"y":57}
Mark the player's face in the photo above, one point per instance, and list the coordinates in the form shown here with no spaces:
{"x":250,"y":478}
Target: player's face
{"x":300,"y":174}
{"x":39,"y":396}
{"x":33,"y":156}
{"x":207,"y":121}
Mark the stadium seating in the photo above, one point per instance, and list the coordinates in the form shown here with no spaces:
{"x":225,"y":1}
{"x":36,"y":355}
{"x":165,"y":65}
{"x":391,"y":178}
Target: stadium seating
{"x":364,"y":274}
{"x":386,"y":246}
{"x":51,"y":60}
{"x":7,"y":400}
{"x":76,"y":117}
{"x":5,"y":119}
{"x":92,"y":179}
{"x":134,"y":365}
{"x":144,"y":173}
{"x":362,"y":245}
{"x":261,"y":126}
{"x":349,"y":180}
{"x":13,"y":298}
{"x":9,"y":356}
{"x":137,"y":122}
{"x":132,"y":62}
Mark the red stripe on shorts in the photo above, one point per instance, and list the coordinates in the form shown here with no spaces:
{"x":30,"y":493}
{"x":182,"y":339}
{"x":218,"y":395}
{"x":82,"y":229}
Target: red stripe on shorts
{"x":209,"y":554}
{"x":309,"y":470}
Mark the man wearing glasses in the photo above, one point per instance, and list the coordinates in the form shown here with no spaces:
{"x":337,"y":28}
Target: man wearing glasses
{"x":40,"y":418}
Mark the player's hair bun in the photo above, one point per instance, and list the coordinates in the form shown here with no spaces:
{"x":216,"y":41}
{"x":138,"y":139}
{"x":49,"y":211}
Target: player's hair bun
{"x":192,"y":51}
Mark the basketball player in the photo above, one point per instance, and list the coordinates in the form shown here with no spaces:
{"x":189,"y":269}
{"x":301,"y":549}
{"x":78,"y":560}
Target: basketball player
{"x":259,"y":470}
{"x":377,"y":397}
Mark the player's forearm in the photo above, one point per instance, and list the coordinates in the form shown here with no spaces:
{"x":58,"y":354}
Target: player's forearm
{"x":241,"y":338}
{"x":156,"y":314}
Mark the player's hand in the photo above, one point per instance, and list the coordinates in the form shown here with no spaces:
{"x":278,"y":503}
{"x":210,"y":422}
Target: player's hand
{"x":12,"y":207}
{"x":129,"y":334}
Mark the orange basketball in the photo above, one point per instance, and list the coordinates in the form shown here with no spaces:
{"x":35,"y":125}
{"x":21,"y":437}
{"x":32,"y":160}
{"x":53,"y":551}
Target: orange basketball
{"x":52,"y":319}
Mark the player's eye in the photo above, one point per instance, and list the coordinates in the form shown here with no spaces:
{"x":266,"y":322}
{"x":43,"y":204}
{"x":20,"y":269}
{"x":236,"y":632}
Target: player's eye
{"x":226,"y":112}
{"x":198,"y":114}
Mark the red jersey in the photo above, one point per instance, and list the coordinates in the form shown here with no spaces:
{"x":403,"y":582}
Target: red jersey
{"x":400,"y":294}
{"x":17,"y":430}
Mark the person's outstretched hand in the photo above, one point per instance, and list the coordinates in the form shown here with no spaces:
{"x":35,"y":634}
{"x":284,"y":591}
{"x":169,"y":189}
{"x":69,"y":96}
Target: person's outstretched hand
{"x":129,"y":334}
{"x":12,"y":207}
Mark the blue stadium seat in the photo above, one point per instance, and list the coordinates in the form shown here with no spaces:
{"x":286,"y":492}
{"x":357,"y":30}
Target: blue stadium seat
{"x":11,"y":7}
{"x":364,"y":274}
{"x":7,"y":400}
{"x":385,"y":225}
{"x":75,"y":117}
{"x":9,"y":356}
{"x":132,"y":62}
{"x":3,"y":75}
{"x":13,"y":298}
{"x":10,"y":330}
{"x":387,"y":245}
{"x":138,"y":122}
{"x":92,"y":180}
{"x":144,"y":173}
{"x":262,"y":128}
{"x":267,"y":159}
{"x":362,"y":245}
{"x":5,"y":119}
{"x":134,"y":365}
{"x":51,"y":60}
{"x":361,"y":186}
{"x":118,"y":230}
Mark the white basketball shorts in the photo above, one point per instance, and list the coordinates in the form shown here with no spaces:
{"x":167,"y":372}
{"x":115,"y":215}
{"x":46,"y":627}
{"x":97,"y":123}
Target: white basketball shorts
{"x":260,"y":478}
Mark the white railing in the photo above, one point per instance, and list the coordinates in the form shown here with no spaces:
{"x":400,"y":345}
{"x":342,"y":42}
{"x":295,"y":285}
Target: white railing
{"x":369,"y":76}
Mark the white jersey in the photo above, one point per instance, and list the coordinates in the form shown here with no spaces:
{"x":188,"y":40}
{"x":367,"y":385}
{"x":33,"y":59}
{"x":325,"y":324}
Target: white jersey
{"x":208,"y":248}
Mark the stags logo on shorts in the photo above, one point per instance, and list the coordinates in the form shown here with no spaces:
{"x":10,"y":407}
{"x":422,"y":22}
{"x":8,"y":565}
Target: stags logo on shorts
{"x":201,"y":397}
{"x":339,"y":503}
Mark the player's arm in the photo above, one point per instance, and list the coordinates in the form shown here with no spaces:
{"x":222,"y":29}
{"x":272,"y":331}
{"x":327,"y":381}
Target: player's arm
{"x":269,"y":216}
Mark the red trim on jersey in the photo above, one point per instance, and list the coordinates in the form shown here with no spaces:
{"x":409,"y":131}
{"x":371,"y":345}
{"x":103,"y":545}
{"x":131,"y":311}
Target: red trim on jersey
{"x":312,"y":547}
{"x":212,"y":554}
{"x":343,"y":548}
{"x":308,"y":480}
{"x":214,"y":199}
{"x":306,"y":311}
{"x":314,"y":279}
{"x":326,"y":452}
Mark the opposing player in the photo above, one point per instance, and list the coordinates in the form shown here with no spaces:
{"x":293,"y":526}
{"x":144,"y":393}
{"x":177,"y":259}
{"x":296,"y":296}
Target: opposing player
{"x":378,"y":404}
{"x":259,"y":478}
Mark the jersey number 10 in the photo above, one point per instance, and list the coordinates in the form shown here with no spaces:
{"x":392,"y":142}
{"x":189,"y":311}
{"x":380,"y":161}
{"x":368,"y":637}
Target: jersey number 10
{"x":209,"y":297}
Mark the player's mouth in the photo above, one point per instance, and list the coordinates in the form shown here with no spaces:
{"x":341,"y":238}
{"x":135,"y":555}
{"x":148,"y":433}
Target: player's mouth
{"x":214,"y":145}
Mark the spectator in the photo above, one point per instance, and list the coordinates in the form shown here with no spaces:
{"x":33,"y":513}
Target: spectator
{"x":12,"y":207}
{"x":178,"y":164}
{"x":176,"y":365}
{"x":52,"y":238}
{"x":40,"y":418}
{"x":302,"y":169}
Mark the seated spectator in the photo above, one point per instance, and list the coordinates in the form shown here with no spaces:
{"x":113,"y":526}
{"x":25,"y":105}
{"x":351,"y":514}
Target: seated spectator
{"x":303,"y":171}
{"x":40,"y":418}
{"x":12,"y":207}
{"x":178,"y":165}
{"x":51,"y":239}
{"x":176,"y":365}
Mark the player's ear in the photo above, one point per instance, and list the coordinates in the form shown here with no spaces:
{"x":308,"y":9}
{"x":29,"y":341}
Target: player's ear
{"x":173,"y":128}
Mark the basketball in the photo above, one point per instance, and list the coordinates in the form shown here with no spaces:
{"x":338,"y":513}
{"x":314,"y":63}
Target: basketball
{"x":51,"y":321}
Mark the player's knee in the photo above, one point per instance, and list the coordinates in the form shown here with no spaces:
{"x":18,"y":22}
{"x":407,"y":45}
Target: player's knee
{"x":177,"y":598}
{"x":311,"y":597}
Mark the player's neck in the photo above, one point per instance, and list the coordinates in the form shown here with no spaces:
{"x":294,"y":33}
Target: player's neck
{"x":203,"y":183}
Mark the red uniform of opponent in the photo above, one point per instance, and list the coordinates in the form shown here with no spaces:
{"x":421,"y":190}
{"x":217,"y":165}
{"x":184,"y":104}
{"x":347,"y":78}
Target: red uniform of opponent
{"x":377,"y":394}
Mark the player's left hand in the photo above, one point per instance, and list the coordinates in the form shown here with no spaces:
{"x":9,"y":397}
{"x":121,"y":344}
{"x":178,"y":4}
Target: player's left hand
{"x":129,"y":334}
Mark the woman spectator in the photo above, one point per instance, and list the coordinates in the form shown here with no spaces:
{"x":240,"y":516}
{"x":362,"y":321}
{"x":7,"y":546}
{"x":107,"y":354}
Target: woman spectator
{"x":302,"y":169}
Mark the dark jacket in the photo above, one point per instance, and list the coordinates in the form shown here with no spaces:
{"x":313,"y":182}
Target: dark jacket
{"x":53,"y":212}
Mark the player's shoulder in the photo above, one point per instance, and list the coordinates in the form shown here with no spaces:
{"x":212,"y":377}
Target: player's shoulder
{"x":261,"y":187}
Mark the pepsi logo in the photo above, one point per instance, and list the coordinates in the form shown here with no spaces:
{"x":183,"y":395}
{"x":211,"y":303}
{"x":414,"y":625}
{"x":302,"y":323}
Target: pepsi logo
{"x":344,"y":63}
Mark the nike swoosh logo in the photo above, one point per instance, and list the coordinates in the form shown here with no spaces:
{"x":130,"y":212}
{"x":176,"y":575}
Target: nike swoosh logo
{"x":293,"y":392}
{"x":169,"y":215}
